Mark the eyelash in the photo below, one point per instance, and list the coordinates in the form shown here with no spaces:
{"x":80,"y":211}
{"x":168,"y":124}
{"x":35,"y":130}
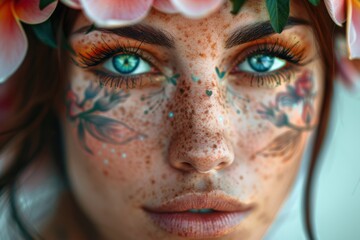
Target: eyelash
{"x":99,"y":55}
{"x":291,"y":54}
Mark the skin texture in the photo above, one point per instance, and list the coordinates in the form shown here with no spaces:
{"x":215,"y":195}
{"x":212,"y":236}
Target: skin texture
{"x":194,"y":124}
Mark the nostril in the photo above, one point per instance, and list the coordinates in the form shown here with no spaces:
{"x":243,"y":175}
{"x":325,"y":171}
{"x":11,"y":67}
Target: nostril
{"x":221,"y":165}
{"x":186,"y":166}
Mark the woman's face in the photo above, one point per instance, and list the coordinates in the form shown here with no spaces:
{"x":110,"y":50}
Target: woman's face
{"x":190,"y":128}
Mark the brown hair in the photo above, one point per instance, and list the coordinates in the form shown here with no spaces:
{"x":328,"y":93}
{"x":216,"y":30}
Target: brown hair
{"x":39,"y":90}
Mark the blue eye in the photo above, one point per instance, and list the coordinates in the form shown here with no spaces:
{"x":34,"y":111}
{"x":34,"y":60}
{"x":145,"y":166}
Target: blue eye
{"x":261,"y":63}
{"x":127,"y":64}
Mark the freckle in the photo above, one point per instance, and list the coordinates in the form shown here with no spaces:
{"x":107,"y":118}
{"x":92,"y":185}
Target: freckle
{"x":203,"y":55}
{"x":105,"y":172}
{"x":241,"y":177}
{"x":214,"y":146}
{"x":163,"y":176}
{"x":199,"y":82}
{"x":152,"y":181}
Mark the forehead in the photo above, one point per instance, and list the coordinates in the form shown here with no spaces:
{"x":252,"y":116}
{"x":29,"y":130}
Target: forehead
{"x":221,"y":21}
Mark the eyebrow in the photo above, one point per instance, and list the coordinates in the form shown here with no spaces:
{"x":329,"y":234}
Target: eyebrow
{"x":139,"y":32}
{"x":259,"y":30}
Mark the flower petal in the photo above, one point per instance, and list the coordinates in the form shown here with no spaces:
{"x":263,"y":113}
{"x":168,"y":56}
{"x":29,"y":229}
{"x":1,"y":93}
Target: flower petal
{"x":28,"y":11}
{"x":196,"y":8}
{"x":111,"y":13}
{"x":164,"y":6}
{"x":348,"y":71}
{"x":13,"y":43}
{"x":336,"y":9}
{"x":72,"y":3}
{"x":353,"y":29}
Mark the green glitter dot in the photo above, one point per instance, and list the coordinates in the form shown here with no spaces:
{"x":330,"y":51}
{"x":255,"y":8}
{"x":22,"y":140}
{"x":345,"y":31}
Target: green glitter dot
{"x":146,"y":112}
{"x":171,"y":114}
{"x":238,"y":111}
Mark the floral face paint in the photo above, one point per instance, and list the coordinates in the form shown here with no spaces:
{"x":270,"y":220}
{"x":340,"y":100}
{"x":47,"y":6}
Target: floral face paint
{"x":104,"y":129}
{"x":158,"y":115}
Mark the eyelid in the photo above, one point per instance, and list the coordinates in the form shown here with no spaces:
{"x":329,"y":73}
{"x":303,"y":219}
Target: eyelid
{"x":293,"y":53}
{"x":99,"y":54}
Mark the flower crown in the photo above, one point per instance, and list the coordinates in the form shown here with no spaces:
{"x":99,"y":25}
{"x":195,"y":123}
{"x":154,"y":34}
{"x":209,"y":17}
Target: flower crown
{"x":111,"y":13}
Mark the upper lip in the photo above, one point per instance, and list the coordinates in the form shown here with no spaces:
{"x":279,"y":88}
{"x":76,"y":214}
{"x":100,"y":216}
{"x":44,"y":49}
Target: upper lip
{"x":214,"y":200}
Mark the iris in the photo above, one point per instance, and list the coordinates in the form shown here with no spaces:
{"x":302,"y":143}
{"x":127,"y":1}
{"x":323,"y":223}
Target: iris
{"x":126,"y":63}
{"x":261,"y":62}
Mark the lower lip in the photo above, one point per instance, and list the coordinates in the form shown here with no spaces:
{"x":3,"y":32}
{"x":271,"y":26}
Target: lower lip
{"x":198,"y":225}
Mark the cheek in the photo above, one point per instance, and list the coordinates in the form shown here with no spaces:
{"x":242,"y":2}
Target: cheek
{"x":110,"y":129}
{"x":270,"y":127}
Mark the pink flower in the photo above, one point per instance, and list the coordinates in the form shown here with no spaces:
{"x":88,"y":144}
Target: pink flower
{"x":13,"y":42}
{"x":109,"y":13}
{"x":349,"y":11}
{"x":348,"y":69}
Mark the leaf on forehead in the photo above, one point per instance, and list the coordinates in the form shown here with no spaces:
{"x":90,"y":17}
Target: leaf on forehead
{"x":314,"y":2}
{"x":279,"y":13}
{"x":44,"y":3}
{"x":236,"y":6}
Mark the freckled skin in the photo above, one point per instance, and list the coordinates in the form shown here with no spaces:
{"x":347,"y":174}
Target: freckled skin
{"x":113,"y":184}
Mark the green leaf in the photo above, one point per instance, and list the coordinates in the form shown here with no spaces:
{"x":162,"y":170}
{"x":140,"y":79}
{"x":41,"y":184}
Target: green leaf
{"x":279,"y":13}
{"x":314,"y":2}
{"x":236,"y":6}
{"x":44,"y":3}
{"x":45,"y":33}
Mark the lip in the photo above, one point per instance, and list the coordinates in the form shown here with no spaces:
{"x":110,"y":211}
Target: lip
{"x":173,"y":216}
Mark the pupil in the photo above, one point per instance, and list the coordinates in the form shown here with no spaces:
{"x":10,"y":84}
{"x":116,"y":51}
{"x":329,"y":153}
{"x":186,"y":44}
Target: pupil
{"x":261,"y":62}
{"x":126,"y":63}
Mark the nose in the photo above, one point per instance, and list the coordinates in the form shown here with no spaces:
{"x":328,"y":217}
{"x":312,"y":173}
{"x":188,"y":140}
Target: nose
{"x":199,"y":141}
{"x":200,"y":151}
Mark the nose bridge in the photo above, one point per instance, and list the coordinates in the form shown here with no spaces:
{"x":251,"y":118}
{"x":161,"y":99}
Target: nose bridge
{"x":199,"y":140}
